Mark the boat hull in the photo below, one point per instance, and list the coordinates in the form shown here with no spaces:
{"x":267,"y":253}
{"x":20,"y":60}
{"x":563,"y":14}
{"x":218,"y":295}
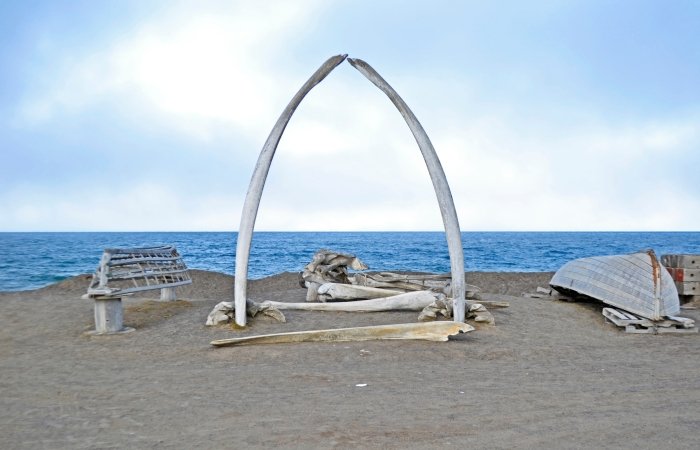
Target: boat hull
{"x":637,"y":283}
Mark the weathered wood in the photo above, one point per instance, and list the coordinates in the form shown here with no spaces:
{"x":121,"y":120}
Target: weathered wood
{"x":432,"y":331}
{"x":622,"y":318}
{"x":439,"y":180}
{"x":676,"y":330}
{"x":635,"y":283}
{"x":682,"y":321}
{"x":168,"y":294}
{"x":164,"y":274}
{"x":683,"y":261}
{"x":106,"y":292}
{"x":688,"y":288}
{"x":683,"y":274}
{"x":337,"y":291}
{"x":109,"y":317}
{"x":634,"y":324}
{"x":410,"y":301}
{"x":125,"y":271}
{"x":685,"y":271}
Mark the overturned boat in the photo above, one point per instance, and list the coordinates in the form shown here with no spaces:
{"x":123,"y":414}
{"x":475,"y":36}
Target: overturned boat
{"x":637,"y":283}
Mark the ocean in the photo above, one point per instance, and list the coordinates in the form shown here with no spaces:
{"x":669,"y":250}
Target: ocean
{"x":33,"y":260}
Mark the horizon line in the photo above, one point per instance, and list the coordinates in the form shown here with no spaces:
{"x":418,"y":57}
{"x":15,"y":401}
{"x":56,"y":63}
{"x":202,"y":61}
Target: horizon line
{"x":350,"y":231}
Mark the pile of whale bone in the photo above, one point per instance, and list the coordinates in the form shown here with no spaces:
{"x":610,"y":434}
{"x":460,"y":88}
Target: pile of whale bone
{"x":330,"y":287}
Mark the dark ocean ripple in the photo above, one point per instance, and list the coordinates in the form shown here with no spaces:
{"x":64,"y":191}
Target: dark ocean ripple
{"x":33,"y":260}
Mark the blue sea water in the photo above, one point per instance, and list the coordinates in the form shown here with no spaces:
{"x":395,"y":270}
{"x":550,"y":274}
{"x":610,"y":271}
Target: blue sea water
{"x":33,"y":260}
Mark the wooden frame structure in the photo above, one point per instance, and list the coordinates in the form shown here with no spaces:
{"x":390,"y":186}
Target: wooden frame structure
{"x":432,"y":162}
{"x":124,"y":271}
{"x":127,"y":270}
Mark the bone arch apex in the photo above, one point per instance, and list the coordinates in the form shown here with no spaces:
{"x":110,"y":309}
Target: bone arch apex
{"x":262,"y":167}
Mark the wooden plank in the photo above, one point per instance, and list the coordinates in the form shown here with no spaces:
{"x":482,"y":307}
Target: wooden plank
{"x":141,"y":250}
{"x":683,"y":261}
{"x":124,"y":261}
{"x":671,"y":324}
{"x":688,"y":287}
{"x":681,"y":274}
{"x":677,"y":330}
{"x":625,"y":318}
{"x":683,"y":321}
{"x":634,"y":330}
{"x":107,"y":292}
{"x":134,"y":274}
{"x":613,"y":316}
{"x":626,"y":315}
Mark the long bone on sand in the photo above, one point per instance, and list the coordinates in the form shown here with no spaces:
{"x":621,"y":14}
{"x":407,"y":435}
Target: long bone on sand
{"x":429,"y":331}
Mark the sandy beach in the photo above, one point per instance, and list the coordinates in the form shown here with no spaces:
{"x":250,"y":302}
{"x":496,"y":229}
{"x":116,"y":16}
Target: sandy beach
{"x":549,"y":374}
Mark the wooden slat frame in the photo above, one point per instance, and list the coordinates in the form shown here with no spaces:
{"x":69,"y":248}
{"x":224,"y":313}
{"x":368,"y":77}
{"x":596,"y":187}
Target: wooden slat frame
{"x":148,"y":268}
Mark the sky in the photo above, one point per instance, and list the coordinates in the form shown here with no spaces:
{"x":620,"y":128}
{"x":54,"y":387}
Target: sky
{"x":546,"y":115}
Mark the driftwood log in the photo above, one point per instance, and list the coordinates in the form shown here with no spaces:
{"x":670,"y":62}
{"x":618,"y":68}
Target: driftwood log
{"x":432,"y":162}
{"x":432,"y":331}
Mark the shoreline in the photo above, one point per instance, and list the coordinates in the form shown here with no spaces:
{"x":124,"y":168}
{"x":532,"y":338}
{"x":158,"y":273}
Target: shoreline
{"x":73,"y":282}
{"x":549,"y":374}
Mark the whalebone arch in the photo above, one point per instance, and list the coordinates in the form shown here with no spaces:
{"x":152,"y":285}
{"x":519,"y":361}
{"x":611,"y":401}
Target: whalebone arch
{"x":262,"y":168}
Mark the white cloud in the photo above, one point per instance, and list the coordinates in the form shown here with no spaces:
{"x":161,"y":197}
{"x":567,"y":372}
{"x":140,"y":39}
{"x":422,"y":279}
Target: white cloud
{"x":143,"y":206}
{"x":347,"y":159}
{"x":585,"y":177}
{"x":196,"y":68}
